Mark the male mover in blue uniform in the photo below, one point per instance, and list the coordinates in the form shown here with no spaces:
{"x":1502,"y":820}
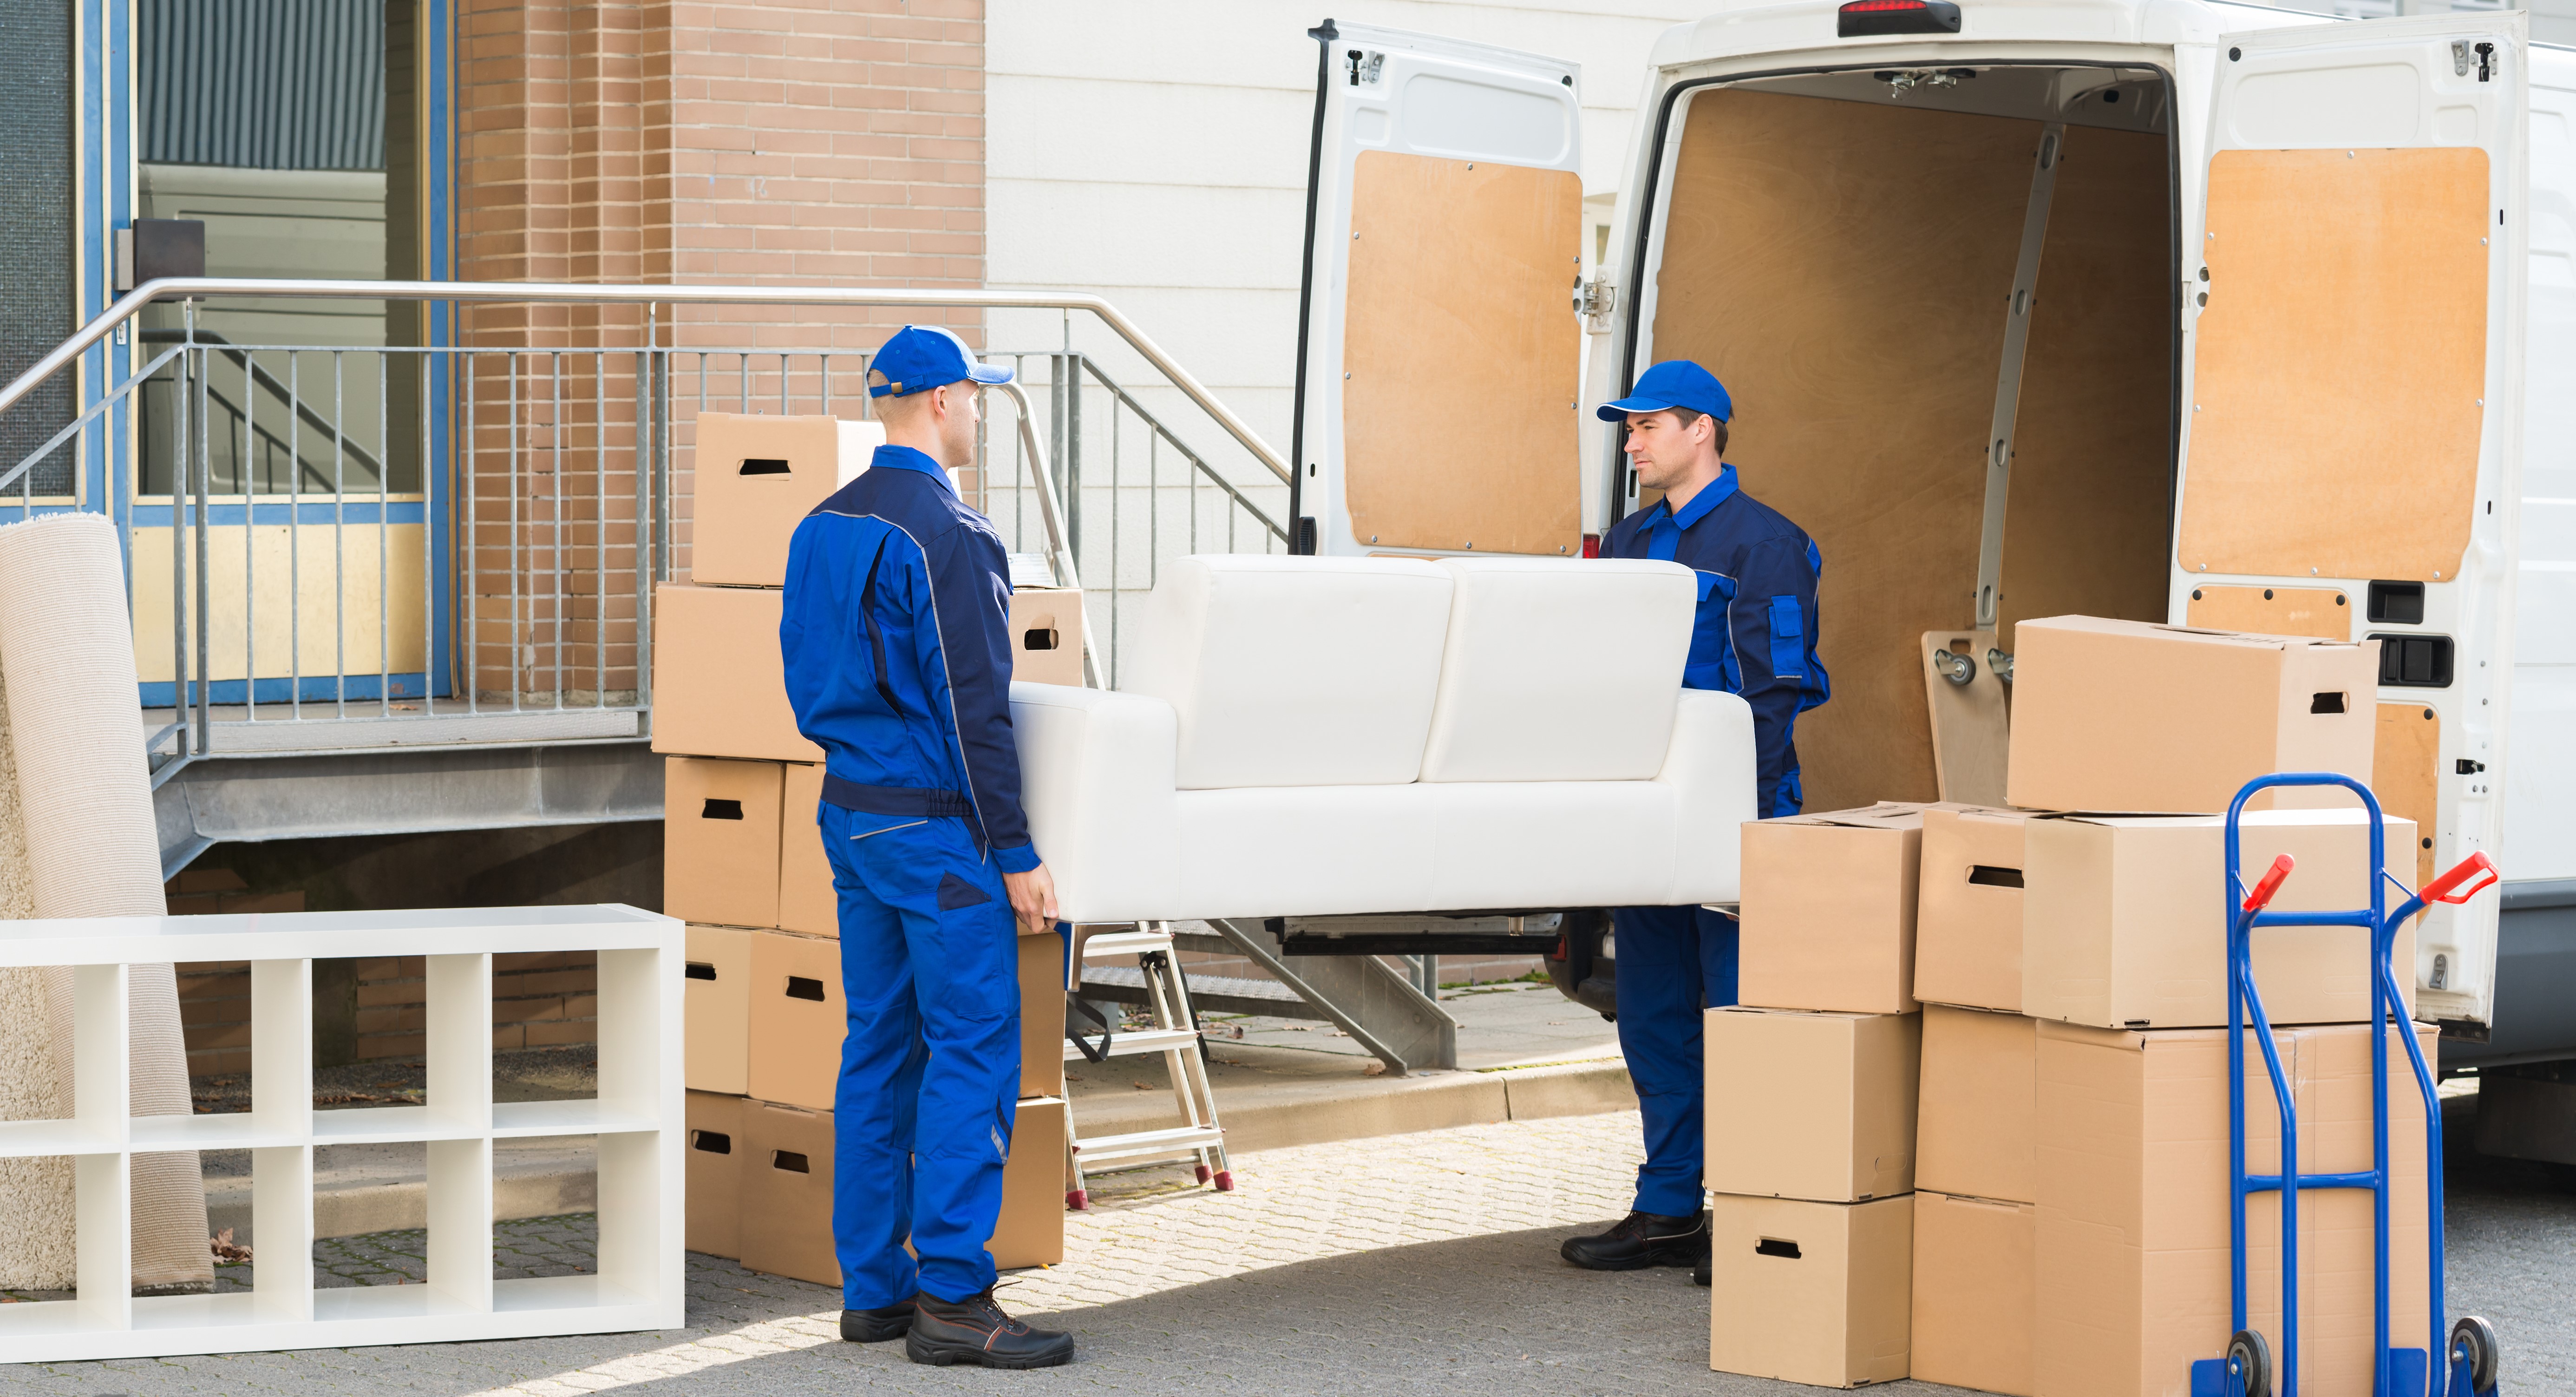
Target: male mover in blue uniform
{"x":1755,"y":636}
{"x":898,"y":653}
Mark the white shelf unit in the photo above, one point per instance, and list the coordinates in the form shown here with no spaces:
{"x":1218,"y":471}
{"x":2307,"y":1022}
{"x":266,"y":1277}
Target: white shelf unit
{"x":637,"y":1119}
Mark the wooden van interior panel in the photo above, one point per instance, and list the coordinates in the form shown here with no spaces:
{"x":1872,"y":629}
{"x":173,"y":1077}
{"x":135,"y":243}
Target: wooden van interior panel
{"x":2335,"y":418}
{"x":2406,"y":775}
{"x":1842,"y":267}
{"x":2089,"y":514}
{"x":1459,"y":417}
{"x":2323,"y":612}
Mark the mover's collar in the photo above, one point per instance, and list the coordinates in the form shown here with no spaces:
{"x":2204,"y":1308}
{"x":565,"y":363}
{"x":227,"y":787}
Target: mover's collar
{"x":906,"y":458}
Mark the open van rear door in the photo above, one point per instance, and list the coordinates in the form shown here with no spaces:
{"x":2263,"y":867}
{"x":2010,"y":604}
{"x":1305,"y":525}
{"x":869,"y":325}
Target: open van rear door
{"x":1437,"y":341}
{"x":2353,"y":302}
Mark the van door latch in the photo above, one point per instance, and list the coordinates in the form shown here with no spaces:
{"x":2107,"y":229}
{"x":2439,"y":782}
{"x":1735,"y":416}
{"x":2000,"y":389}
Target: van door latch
{"x":1594,"y":300}
{"x":1365,"y":67}
{"x":2462,"y":51}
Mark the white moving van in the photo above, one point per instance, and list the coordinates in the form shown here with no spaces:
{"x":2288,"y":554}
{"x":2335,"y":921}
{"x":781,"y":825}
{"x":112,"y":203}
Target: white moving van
{"x":2164,"y":309}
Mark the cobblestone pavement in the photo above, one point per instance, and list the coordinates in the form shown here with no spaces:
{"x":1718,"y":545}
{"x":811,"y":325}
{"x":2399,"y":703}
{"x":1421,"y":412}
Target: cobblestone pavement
{"x":1402,"y":1264}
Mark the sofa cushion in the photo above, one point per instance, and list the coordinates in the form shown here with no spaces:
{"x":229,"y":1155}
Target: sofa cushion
{"x":1289,"y":671}
{"x":1559,"y":669}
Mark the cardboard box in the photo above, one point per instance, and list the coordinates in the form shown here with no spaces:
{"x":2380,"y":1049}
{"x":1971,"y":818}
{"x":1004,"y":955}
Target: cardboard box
{"x":716,"y":1005}
{"x":806,"y":901}
{"x":1810,"y":1292}
{"x":719,"y":682}
{"x":2124,"y":918}
{"x":714,"y":1187}
{"x":1030,"y":1229}
{"x":720,"y":841}
{"x":1967,"y":924}
{"x":1978,"y":1133}
{"x":1046,"y":635}
{"x":1828,"y":910}
{"x":2133,"y":1246}
{"x":756,"y":476}
{"x":787,"y":1193}
{"x":1975,"y":1300}
{"x":798,"y":1019}
{"x":2129,"y":716}
{"x":1042,"y":1015}
{"x":1811,"y":1105}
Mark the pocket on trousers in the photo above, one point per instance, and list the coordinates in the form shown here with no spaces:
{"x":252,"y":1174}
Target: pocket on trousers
{"x":956,"y":892}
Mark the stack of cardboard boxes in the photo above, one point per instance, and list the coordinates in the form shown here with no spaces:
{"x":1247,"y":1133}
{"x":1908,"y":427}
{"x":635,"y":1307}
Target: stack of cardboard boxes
{"x":744,"y":866}
{"x":2066,"y":1137}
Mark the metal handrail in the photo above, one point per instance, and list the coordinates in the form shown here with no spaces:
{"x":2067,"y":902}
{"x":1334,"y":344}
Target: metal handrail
{"x":180,"y":288}
{"x":1086,"y":363}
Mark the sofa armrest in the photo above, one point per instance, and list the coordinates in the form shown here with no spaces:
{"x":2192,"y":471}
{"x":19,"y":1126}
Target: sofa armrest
{"x":1096,"y":778}
{"x":1710,"y":767}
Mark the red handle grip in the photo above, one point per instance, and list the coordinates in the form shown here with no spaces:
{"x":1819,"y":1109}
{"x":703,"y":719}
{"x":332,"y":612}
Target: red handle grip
{"x":2447,"y":887}
{"x":2273,"y":877}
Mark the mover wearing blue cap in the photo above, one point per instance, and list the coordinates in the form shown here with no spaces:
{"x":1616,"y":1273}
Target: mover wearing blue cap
{"x":1754,"y":635}
{"x":895,"y":631}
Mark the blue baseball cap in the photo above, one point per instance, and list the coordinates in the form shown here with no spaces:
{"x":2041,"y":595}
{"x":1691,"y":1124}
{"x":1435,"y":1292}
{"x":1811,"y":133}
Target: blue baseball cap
{"x":1673,"y":383}
{"x":925,"y":356}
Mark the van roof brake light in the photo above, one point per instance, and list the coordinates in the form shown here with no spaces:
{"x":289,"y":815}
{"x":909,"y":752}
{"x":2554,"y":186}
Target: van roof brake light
{"x":1868,"y":18}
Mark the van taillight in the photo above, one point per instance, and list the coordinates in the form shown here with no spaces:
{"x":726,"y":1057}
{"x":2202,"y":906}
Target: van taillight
{"x":1863,"y":18}
{"x":1592,"y":545}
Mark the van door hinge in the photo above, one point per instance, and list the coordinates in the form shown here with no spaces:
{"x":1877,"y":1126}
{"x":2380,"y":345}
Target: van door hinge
{"x":1365,"y":67}
{"x":2463,"y":51}
{"x":1594,"y":300}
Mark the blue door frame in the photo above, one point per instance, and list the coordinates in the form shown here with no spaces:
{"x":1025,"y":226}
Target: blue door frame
{"x":104,"y":203}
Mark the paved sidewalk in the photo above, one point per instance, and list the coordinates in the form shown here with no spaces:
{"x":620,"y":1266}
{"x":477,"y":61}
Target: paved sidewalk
{"x":1396,"y":1265}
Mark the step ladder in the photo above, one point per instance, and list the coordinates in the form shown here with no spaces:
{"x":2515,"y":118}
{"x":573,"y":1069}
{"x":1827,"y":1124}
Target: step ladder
{"x":1175,"y":1034}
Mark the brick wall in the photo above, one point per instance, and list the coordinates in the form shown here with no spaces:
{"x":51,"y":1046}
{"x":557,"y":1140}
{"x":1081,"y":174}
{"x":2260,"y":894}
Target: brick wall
{"x":539,"y":1000}
{"x":785,"y":142}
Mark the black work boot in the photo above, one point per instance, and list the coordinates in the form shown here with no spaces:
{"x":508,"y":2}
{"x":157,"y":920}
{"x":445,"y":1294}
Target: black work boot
{"x":1641,"y":1240}
{"x":877,"y":1325}
{"x":975,"y":1330}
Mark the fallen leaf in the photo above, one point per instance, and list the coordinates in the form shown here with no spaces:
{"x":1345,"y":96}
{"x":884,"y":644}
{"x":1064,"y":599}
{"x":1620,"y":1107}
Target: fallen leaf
{"x":226,"y":1250}
{"x":1142,"y":1086}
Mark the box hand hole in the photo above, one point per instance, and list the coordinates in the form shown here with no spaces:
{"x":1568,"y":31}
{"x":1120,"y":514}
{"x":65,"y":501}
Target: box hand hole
{"x":789,"y":1161}
{"x":763,"y":465}
{"x":1987,"y":876}
{"x":721,"y":810}
{"x":2326,"y":703}
{"x":711,"y":1141}
{"x":1040,"y":638}
{"x":1774,"y":1246}
{"x":802,"y":987}
{"x":700,"y":970}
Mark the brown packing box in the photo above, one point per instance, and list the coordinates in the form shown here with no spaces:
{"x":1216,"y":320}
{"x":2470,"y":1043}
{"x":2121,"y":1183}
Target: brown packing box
{"x":1978,"y":1135}
{"x":1828,"y":910}
{"x":1810,"y":1292}
{"x":1046,"y":635}
{"x":2127,"y":715}
{"x":2124,"y":918}
{"x":806,"y":901}
{"x":1974,"y":1301}
{"x":720,"y":841}
{"x":2133,"y":1250}
{"x":756,"y":476}
{"x":716,"y":1003}
{"x":786,"y":1157}
{"x":1818,"y":1106}
{"x":719,"y":684}
{"x":1967,"y":926}
{"x":1030,"y":1229}
{"x":787,"y":1192}
{"x":797,"y":1018}
{"x":714,"y":1187}
{"x":1042,"y":1015}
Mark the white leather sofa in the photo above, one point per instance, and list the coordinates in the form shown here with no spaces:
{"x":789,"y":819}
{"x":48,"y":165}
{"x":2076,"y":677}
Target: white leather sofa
{"x":1328,"y":736}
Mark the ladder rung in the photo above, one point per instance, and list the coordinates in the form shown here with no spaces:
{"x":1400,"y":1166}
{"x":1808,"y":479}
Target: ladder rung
{"x":1126,"y":943}
{"x":1148,"y":1142}
{"x":1150,"y":1040}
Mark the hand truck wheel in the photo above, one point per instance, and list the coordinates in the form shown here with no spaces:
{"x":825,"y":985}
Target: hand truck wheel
{"x":2475,"y":1340}
{"x":2249,"y":1359}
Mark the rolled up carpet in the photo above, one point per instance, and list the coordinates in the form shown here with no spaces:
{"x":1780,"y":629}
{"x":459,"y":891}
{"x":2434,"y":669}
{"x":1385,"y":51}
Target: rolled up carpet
{"x":85,"y":805}
{"x":36,"y":1213}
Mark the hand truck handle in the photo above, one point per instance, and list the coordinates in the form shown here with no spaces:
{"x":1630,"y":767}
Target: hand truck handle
{"x":2273,"y":877}
{"x":2477,"y":870}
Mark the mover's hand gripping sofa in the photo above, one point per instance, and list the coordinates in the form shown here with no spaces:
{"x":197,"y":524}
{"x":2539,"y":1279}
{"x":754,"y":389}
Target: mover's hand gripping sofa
{"x":1327,"y":736}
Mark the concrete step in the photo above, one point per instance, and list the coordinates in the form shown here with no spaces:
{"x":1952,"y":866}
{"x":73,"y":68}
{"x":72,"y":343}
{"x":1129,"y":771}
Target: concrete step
{"x":359,"y":1189}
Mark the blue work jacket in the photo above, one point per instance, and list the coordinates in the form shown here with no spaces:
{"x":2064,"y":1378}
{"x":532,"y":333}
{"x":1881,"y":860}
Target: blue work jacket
{"x":1755,"y":632}
{"x":896,"y":633}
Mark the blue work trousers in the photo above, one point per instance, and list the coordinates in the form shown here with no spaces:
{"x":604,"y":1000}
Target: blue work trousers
{"x":930,"y":1071}
{"x":1673,"y":963}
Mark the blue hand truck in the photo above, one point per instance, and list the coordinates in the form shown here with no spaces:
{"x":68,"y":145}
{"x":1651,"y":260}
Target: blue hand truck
{"x":2247,"y":1368}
